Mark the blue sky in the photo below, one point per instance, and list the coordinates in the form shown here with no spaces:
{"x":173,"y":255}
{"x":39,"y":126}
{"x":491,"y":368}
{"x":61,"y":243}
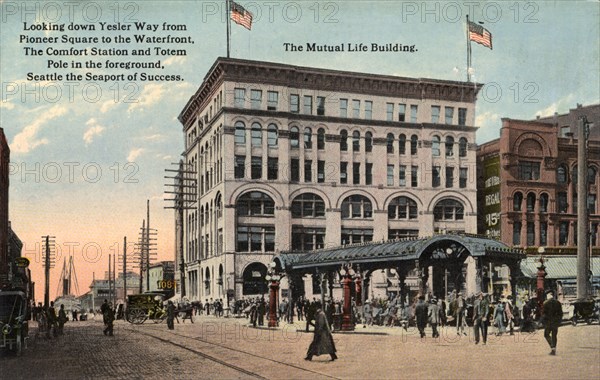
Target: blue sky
{"x":84,"y":165}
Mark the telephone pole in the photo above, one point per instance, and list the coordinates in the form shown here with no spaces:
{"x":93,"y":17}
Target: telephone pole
{"x":583,"y":260}
{"x":184,"y":198}
{"x":48,"y":263}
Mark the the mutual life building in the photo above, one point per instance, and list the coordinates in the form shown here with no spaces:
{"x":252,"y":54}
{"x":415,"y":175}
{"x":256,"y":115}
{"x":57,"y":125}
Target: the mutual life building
{"x":293,"y":158}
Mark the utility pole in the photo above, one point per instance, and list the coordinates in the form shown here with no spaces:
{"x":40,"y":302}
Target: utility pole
{"x":125,"y":269}
{"x":48,"y":263}
{"x":583,"y":261}
{"x":184,"y":198}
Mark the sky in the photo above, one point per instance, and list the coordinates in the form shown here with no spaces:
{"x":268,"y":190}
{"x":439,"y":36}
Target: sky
{"x":87,"y":154}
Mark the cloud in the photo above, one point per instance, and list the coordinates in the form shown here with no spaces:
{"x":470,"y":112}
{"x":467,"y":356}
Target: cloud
{"x":154,"y":137}
{"x":489,"y":124}
{"x":174,"y":60}
{"x":94,"y":129}
{"x":561,"y":106}
{"x":150,"y":95}
{"x":134,"y":154}
{"x":6,"y":104}
{"x":164,"y":156}
{"x":27,"y":140}
{"x":107,"y":106}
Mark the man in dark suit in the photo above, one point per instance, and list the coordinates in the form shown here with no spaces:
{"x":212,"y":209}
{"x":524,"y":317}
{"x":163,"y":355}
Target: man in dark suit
{"x":481,"y":314}
{"x":421,"y":313}
{"x":552,"y":316}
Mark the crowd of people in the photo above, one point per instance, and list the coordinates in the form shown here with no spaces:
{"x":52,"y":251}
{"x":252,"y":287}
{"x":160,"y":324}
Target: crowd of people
{"x":49,"y":320}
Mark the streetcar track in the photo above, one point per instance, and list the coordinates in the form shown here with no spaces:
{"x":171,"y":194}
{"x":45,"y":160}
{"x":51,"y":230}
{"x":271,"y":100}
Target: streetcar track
{"x":234,"y":350}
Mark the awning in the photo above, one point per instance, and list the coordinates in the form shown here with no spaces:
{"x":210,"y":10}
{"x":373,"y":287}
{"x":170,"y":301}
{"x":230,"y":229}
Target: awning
{"x":557,"y":267}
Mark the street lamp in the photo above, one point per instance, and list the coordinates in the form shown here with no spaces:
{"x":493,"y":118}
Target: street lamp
{"x":541,"y":274}
{"x":347,"y":274}
{"x":273,"y":277}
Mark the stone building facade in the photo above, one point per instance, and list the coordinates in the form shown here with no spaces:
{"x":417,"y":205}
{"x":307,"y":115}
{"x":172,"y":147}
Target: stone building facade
{"x":4,"y":227}
{"x":292,"y":158}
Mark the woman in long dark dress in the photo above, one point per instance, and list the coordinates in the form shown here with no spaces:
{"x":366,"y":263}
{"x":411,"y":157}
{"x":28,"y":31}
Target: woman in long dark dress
{"x":322,"y":339}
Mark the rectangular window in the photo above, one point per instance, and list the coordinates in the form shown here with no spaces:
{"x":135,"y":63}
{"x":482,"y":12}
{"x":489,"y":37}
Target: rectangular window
{"x":239,"y":97}
{"x":449,"y":176}
{"x":414,"y":180}
{"x":256,"y":168}
{"x":343,"y":172}
{"x":356,"y":173}
{"x":307,"y":170}
{"x":462,"y":116}
{"x":530,"y":234}
{"x":320,"y":171}
{"x":413,"y":113}
{"x":355,"y":108}
{"x":272,"y":167}
{"x":272,"y":100}
{"x":543,"y":233}
{"x":435,"y":114}
{"x":517,"y":233}
{"x":389,"y":111}
{"x":240,"y":164}
{"x":356,"y":235}
{"x":401,"y":112}
{"x":462,"y":180}
{"x":320,"y":105}
{"x":255,"y":239}
{"x":256,"y":99}
{"x":562,"y":202}
{"x":390,"y":175}
{"x":563,"y":233}
{"x":368,"y":109}
{"x":368,"y":173}
{"x":401,"y":234}
{"x":529,"y":171}
{"x":435,"y":176}
{"x":307,"y":105}
{"x":295,"y":170}
{"x":402,"y":175}
{"x":307,"y":239}
{"x":343,"y":107}
{"x":294,"y":103}
{"x":449,"y":114}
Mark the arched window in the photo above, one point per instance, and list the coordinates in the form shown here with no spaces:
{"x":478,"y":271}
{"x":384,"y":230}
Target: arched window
{"x":530,"y":202}
{"x":294,"y":137}
{"x":219,"y":206}
{"x":308,"y":205}
{"x":343,"y":140}
{"x":462,"y":147}
{"x":402,"y":144}
{"x":390,"y":143}
{"x":272,"y":135}
{"x":517,"y":200}
{"x":357,"y":207}
{"x":591,"y":175}
{"x":402,"y":208}
{"x":307,"y":138}
{"x":561,"y":174}
{"x":435,"y":146}
{"x":240,"y":133}
{"x":256,"y":135}
{"x":368,"y":142}
{"x":320,"y":139}
{"x":543,"y":202}
{"x":448,"y":209}
{"x":255,"y":203}
{"x":449,"y":146}
{"x":413,"y":144}
{"x":355,"y":141}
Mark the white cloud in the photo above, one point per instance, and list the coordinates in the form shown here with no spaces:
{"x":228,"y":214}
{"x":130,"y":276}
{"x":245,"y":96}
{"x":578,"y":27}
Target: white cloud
{"x":561,"y":106}
{"x":154,"y":137}
{"x":94,"y":129}
{"x":164,"y":156}
{"x":174,"y":60}
{"x":134,"y":154}
{"x":489,"y":124}
{"x":107,"y":106}
{"x":6,"y":104}
{"x":150,"y":95}
{"x":27,"y":139}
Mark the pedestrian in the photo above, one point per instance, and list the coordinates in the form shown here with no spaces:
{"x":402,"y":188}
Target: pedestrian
{"x":434,"y":317}
{"x":109,"y":318}
{"x":552,"y":316}
{"x":103,"y":309}
{"x":170,"y":315}
{"x":481,"y":313}
{"x":322,"y":339}
{"x":367,"y":314}
{"x":459,"y":314}
{"x":510,"y":317}
{"x":421,"y":314}
{"x":499,"y":317}
{"x":62,"y":318}
{"x":262,"y":308}
{"x":51,"y":318}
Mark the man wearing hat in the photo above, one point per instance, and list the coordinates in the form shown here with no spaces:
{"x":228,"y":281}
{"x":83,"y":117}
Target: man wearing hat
{"x":434,"y":316}
{"x":510,"y":317}
{"x":459,"y":314}
{"x":421,"y":313}
{"x":552,"y":316}
{"x":481,"y":314}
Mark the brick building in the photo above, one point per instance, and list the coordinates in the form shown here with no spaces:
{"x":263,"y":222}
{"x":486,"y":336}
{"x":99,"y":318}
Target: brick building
{"x":4,"y":227}
{"x":528,"y":182}
{"x":298,"y":158}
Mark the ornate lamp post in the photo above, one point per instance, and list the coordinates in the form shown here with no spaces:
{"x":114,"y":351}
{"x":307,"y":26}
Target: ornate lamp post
{"x":541,"y":274}
{"x":273,"y":277}
{"x":347,"y":274}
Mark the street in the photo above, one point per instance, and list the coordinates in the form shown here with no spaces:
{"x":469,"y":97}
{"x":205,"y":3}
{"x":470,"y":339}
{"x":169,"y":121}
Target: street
{"x":229,"y":348}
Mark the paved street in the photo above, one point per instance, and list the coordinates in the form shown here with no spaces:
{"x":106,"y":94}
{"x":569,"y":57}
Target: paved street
{"x":228,"y":348}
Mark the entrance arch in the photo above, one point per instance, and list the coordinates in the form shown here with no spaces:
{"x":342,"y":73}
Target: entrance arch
{"x":254,"y":280}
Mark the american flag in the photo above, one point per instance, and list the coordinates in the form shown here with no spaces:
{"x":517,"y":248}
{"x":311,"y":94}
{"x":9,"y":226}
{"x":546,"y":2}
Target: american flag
{"x":480,"y":35}
{"x":241,"y":16}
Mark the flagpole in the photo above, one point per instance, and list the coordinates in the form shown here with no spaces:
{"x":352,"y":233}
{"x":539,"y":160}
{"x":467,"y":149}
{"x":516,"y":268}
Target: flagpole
{"x":228,"y":17}
{"x":468,"y":52}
